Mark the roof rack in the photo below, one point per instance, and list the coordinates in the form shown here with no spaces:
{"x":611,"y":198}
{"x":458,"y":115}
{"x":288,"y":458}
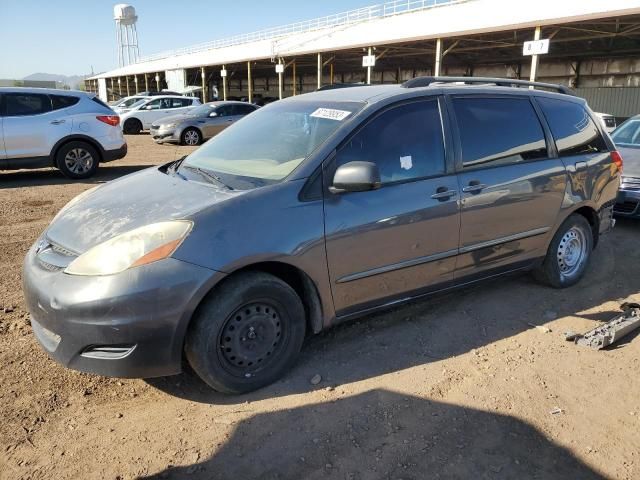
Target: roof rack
{"x":500,"y":82}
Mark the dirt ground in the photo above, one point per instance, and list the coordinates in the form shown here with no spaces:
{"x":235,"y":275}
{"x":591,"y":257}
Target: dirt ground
{"x":459,"y":386}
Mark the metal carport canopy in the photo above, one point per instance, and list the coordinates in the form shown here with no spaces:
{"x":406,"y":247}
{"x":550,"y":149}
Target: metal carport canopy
{"x":445,"y":21}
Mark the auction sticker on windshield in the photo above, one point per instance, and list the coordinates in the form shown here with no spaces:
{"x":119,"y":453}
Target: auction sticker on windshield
{"x":330,"y":113}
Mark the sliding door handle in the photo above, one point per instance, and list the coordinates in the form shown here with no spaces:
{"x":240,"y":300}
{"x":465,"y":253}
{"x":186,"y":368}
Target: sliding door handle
{"x":474,"y":187}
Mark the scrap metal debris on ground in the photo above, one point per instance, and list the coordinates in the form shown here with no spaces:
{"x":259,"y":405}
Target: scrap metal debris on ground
{"x":612,"y":331}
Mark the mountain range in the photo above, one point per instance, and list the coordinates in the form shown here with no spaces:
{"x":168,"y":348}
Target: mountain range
{"x":71,"y":81}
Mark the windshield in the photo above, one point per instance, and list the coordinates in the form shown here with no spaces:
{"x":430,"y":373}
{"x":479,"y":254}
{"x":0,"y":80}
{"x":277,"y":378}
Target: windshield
{"x":130,"y":101}
{"x":202,"y":111}
{"x":627,"y":134}
{"x":134,"y":104}
{"x":270,"y":143}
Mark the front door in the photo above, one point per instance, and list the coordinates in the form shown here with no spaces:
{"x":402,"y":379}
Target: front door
{"x":214,"y":125}
{"x":512,"y":186}
{"x":401,"y":239}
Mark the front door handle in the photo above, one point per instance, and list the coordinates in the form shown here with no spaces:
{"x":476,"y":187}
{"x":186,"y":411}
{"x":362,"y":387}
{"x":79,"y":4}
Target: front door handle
{"x":581,"y":165}
{"x":474,"y":187}
{"x":57,"y":122}
{"x":443,"y":193}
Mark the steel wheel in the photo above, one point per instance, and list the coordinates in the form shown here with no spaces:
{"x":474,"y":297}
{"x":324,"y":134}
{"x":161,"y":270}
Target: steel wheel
{"x":250,"y":338}
{"x":572,"y":251}
{"x":79,"y":161}
{"x":191,"y":137}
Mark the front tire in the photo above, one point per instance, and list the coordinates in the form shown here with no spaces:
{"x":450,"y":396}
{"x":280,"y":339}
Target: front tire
{"x":568,"y":254}
{"x":77,"y":160}
{"x":246,"y":334}
{"x":191,"y":137}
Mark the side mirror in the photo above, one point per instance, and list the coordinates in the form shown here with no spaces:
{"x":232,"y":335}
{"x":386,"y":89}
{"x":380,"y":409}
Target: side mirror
{"x":356,"y":177}
{"x":149,"y":107}
{"x":213,"y":114}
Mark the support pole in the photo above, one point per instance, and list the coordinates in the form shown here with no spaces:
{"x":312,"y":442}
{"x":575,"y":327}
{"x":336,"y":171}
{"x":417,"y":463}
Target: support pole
{"x":319,"y":70}
{"x":204,"y":93}
{"x":126,"y":79}
{"x":120,"y":87}
{"x":534,"y":58}
{"x":295,"y":80}
{"x":331,"y":73}
{"x":224,"y":85}
{"x":436,"y":69}
{"x":135,"y":81}
{"x":146,"y":83}
{"x":369,"y":68}
{"x":249,"y":84}
{"x":158,"y":81}
{"x":280,"y":80}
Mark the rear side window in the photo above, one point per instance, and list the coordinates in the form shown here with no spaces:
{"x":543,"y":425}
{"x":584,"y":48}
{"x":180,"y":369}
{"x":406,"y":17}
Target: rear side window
{"x":21,"y":104}
{"x":244,"y":109}
{"x":498,"y":131}
{"x":572,"y":127}
{"x":63,"y":101}
{"x":405,"y":142}
{"x":181,"y":102}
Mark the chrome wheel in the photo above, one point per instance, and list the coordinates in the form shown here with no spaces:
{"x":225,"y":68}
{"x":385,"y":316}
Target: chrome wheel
{"x":572,"y":251}
{"x":191,"y":137}
{"x":79,"y":161}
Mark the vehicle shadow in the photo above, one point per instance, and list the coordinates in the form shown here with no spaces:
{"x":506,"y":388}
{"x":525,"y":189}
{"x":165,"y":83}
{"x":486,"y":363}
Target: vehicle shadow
{"x":52,"y":176}
{"x":382,"y":434}
{"x":437,"y":328}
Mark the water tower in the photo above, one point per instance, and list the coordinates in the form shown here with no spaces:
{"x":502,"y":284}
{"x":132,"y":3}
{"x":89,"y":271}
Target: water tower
{"x":126,"y":34}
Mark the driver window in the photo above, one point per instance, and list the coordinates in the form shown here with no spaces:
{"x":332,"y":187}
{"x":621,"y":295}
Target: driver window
{"x":405,"y":142}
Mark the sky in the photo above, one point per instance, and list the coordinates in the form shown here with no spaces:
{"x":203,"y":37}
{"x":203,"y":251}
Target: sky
{"x":76,"y":37}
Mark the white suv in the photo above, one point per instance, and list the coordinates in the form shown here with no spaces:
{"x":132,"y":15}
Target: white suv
{"x":71,"y":130}
{"x":143,"y":113}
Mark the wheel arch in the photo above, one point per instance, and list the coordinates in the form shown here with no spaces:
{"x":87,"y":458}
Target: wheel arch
{"x":76,"y":138}
{"x":591,"y":215}
{"x":301,"y":283}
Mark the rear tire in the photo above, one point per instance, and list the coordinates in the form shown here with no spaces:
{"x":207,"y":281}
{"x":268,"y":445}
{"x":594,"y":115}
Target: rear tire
{"x":132,"y":126}
{"x":246,"y":334}
{"x":77,"y":160}
{"x":191,"y":137}
{"x":568,"y":254}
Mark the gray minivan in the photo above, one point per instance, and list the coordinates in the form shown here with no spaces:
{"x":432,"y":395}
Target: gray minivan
{"x":314,"y":210}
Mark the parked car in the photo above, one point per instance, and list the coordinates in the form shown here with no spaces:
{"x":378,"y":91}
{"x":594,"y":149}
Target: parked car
{"x":199,"y":124}
{"x":608,"y":121}
{"x":143,"y":113}
{"x":70,"y":130}
{"x":125,"y":104}
{"x":627,"y":140}
{"x":314,"y":210}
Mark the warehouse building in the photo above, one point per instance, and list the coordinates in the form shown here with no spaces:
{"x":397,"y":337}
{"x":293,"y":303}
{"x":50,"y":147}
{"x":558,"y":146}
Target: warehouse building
{"x":594,"y":47}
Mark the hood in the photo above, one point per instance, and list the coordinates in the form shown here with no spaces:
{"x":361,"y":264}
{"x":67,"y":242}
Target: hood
{"x":172,"y":119}
{"x":133,"y":201}
{"x":630,"y":161}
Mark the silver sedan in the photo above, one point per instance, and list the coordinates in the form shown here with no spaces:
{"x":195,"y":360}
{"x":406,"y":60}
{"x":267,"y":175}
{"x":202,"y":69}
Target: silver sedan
{"x":199,"y":124}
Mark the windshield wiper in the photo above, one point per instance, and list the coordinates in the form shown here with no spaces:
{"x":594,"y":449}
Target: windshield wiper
{"x":209,"y":175}
{"x":173,"y":168}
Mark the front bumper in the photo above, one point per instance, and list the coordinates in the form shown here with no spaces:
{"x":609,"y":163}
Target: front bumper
{"x":131,"y":324}
{"x":627,"y":203}
{"x":165,"y":135}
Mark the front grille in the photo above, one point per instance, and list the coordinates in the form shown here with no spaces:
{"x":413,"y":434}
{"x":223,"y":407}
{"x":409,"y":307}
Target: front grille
{"x":155,"y":127}
{"x":630,"y":183}
{"x":627,"y":208}
{"x":52,"y":256}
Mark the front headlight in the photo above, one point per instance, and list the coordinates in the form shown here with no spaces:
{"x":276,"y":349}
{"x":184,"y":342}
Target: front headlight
{"x":131,"y":249}
{"x":168,"y":125}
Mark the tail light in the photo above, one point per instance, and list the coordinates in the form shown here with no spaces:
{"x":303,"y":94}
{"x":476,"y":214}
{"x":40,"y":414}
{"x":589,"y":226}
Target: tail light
{"x":113,"y":120}
{"x":617,"y":159}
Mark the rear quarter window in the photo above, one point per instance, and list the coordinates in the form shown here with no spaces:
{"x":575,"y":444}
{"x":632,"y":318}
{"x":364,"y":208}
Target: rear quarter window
{"x":498,"y":131}
{"x":63,"y":101}
{"x":572,"y":128}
